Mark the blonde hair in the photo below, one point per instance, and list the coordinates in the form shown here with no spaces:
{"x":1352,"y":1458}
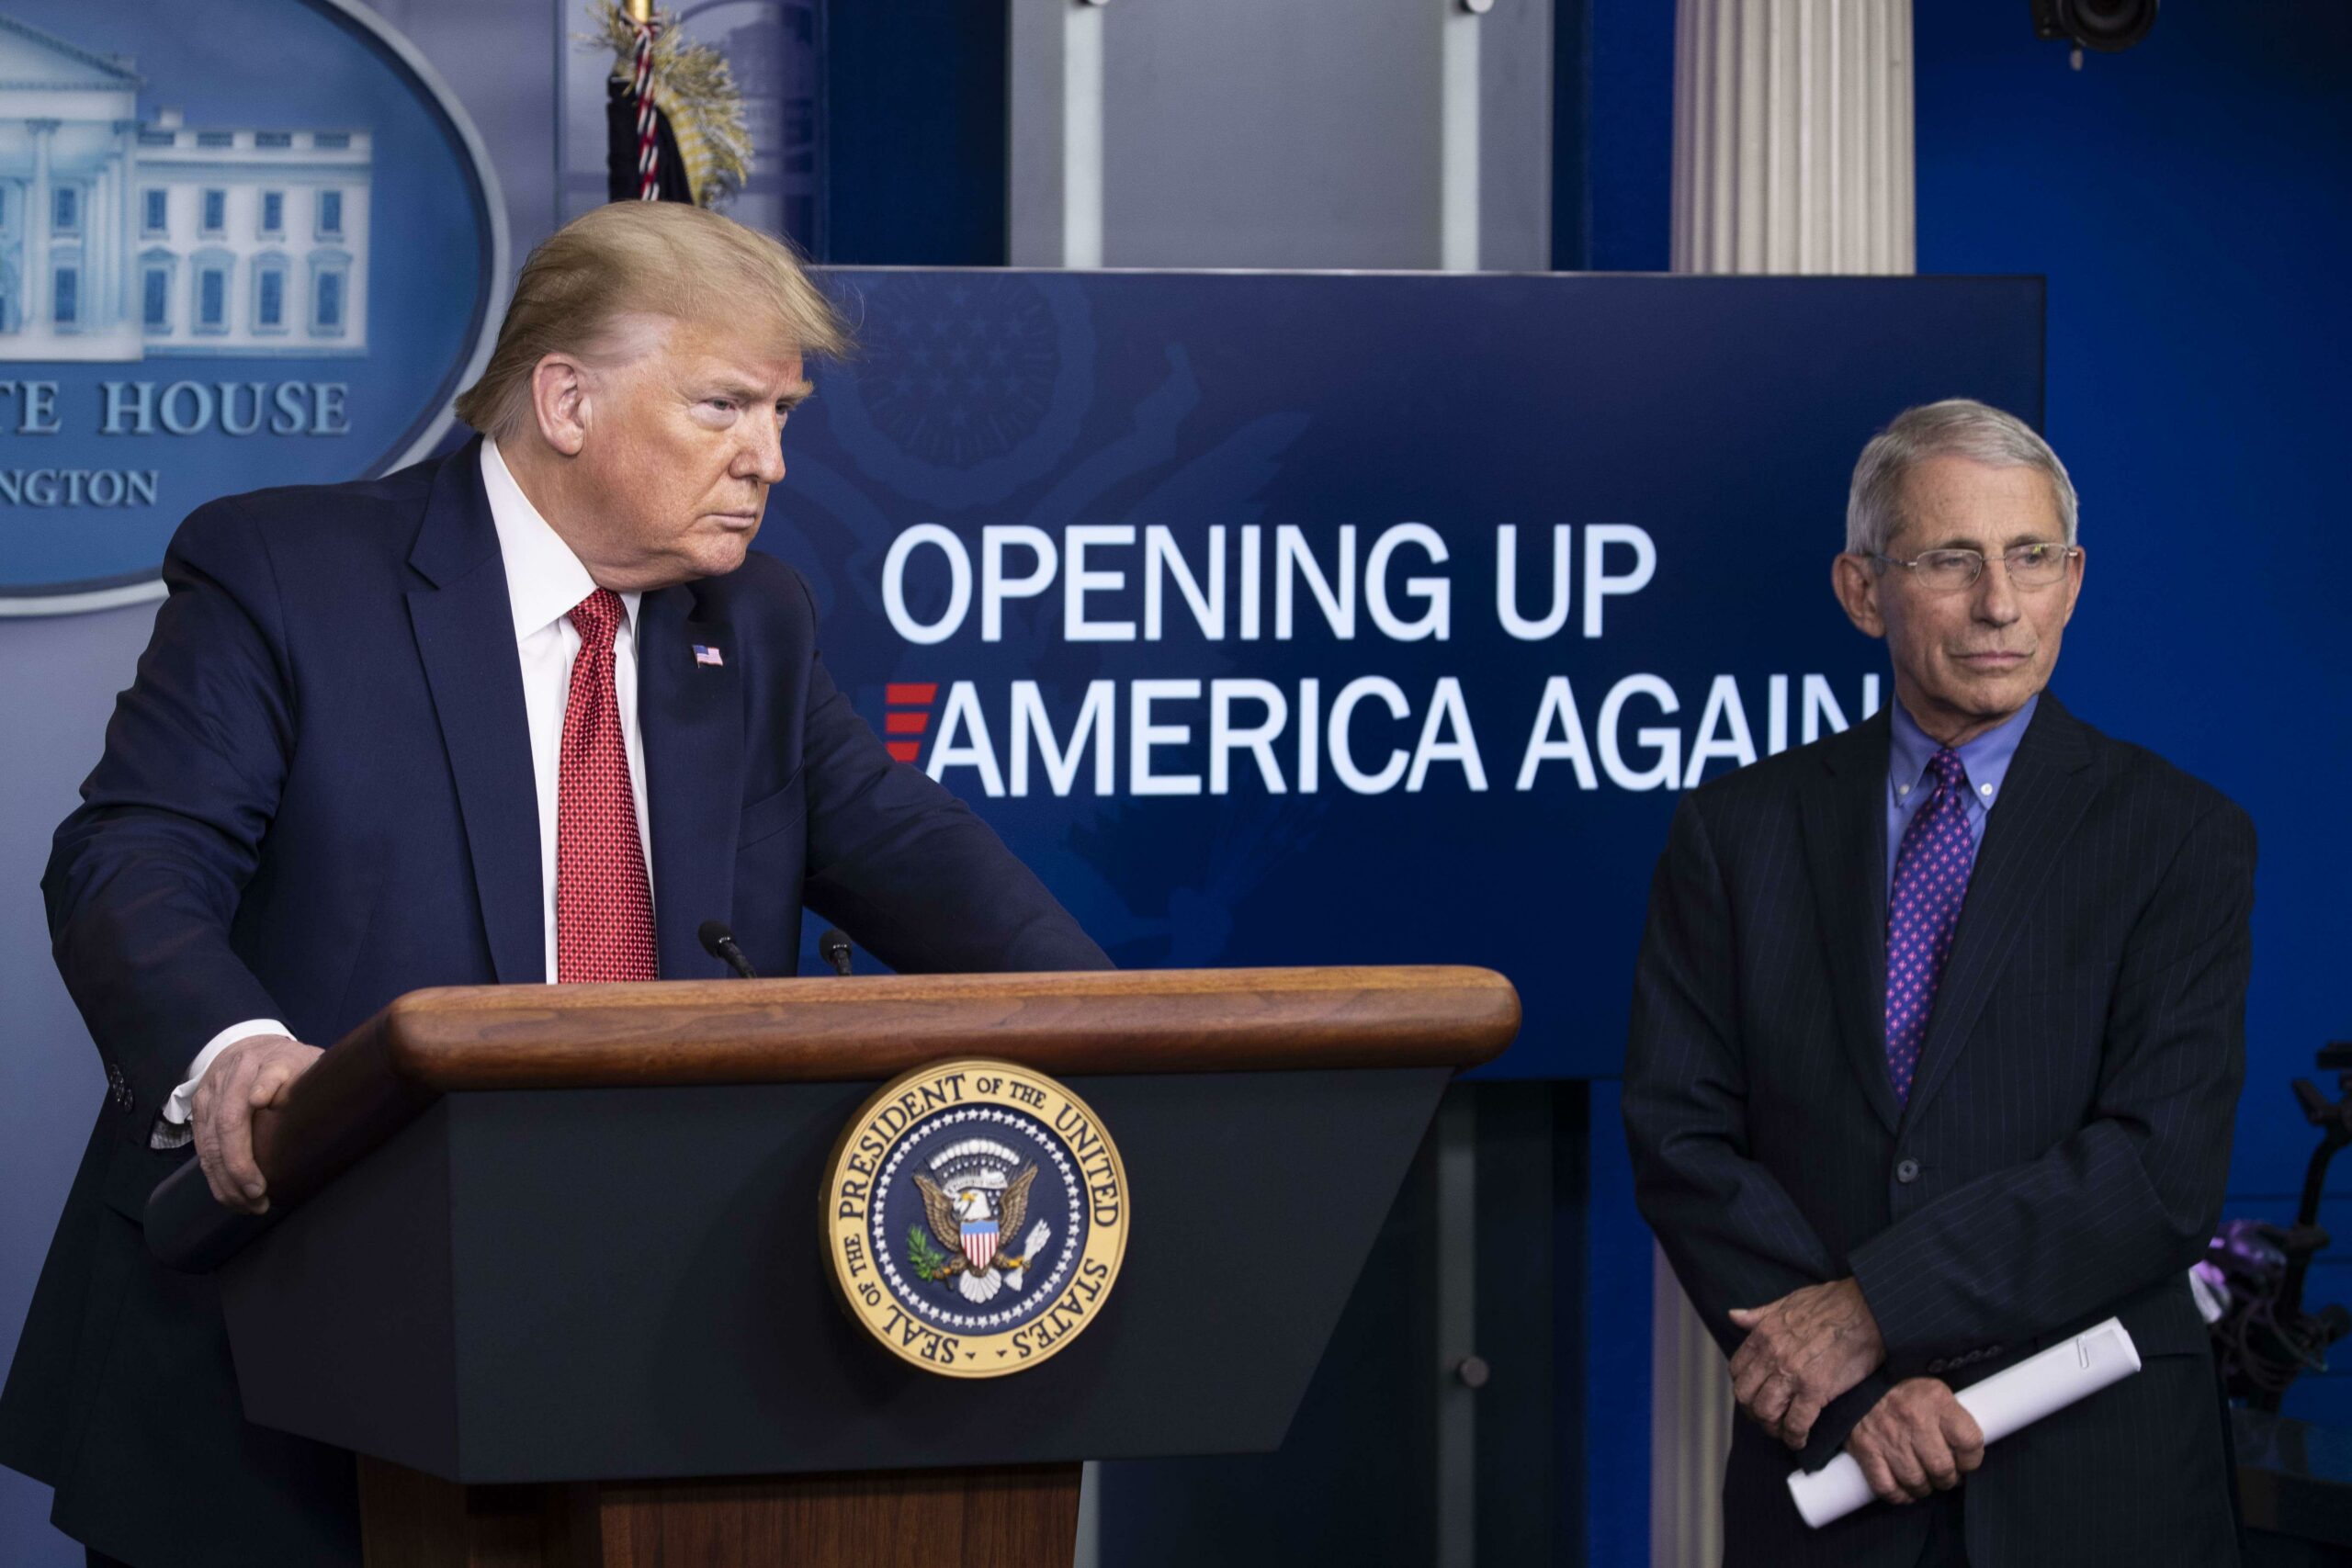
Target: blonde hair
{"x":669,"y":259}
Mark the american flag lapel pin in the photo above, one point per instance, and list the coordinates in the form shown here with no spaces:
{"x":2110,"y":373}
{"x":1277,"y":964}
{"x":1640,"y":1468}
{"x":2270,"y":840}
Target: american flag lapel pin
{"x":704,"y":654}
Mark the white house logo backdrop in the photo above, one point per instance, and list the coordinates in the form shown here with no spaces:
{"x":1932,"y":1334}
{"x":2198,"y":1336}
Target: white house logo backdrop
{"x":248,"y":243}
{"x":976,"y":1215}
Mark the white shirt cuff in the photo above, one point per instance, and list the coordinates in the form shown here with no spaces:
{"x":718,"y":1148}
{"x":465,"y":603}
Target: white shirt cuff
{"x":177,"y":1108}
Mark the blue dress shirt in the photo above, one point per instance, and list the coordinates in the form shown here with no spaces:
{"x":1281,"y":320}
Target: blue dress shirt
{"x":1986,"y":759}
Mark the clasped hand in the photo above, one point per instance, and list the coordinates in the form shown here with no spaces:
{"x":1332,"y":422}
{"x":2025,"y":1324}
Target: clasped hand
{"x":1812,"y":1345}
{"x":241,"y":1079}
{"x":1802,"y":1351}
{"x":1917,"y":1440}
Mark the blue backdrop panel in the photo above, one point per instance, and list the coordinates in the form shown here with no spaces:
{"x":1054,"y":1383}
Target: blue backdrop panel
{"x":993,"y":502}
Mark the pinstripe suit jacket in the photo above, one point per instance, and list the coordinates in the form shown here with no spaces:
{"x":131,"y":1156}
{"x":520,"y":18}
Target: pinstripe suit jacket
{"x":2062,"y":1156}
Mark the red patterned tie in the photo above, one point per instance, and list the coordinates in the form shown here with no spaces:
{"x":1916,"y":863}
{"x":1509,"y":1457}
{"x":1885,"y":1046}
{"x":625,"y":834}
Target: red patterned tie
{"x":604,"y":909}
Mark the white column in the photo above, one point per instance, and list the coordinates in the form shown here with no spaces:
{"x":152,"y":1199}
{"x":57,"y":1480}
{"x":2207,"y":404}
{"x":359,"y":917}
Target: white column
{"x":1793,"y":136}
{"x":1082,"y":128}
{"x":37,"y":217}
{"x":1691,"y":1418}
{"x":1793,"y":154}
{"x":1459,"y":101}
{"x":127,"y":215}
{"x":98,"y":251}
{"x":1055,"y":205}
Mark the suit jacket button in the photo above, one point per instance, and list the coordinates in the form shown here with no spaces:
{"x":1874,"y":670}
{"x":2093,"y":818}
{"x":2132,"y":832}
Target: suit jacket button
{"x":1938,"y":1367}
{"x":1907,"y":1171}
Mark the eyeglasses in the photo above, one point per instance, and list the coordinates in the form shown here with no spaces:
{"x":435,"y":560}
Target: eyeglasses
{"x":1949,"y":572}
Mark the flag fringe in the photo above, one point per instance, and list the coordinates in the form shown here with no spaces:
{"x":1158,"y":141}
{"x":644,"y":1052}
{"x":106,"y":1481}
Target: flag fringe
{"x":694,"y":86}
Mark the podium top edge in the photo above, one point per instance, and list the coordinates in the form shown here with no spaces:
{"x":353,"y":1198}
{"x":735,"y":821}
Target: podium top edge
{"x":832,"y":1029}
{"x":835,"y":1028}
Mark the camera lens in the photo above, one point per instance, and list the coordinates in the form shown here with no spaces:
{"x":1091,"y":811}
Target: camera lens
{"x":2108,"y":25}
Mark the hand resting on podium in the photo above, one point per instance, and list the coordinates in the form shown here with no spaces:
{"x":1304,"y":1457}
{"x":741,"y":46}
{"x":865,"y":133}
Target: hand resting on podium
{"x":248,"y":1075}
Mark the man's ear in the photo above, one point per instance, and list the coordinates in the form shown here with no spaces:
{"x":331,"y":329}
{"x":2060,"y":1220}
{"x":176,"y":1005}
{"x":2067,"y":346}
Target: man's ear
{"x":1856,"y":585}
{"x":560,"y":403}
{"x":2074,"y":569}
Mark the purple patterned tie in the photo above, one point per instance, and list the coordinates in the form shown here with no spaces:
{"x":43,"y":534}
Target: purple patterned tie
{"x":1930,"y":881}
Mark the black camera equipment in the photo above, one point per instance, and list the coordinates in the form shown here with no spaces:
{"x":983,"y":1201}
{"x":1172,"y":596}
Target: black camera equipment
{"x":2264,"y":1338}
{"x":2109,"y":27}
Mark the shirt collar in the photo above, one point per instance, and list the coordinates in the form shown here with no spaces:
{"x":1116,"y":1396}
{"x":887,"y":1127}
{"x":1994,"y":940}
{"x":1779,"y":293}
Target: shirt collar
{"x":543,"y":579}
{"x":1986,"y":758}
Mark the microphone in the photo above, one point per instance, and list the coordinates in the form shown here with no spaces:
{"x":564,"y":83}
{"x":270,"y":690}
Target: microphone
{"x":719,"y":942}
{"x":834,"y":946}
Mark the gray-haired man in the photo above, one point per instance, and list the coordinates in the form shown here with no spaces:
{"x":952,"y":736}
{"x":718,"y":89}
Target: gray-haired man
{"x":1938,"y":1033}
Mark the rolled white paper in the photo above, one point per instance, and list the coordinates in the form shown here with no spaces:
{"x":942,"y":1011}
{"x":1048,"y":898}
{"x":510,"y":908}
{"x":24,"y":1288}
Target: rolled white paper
{"x":2002,"y":1403}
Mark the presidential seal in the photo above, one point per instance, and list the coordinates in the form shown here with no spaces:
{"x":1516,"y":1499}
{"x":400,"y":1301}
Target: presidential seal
{"x":975,"y":1214}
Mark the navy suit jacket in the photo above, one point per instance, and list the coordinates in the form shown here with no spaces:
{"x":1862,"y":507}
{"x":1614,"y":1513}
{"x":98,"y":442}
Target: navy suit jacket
{"x":2062,"y":1156}
{"x":318,"y":795}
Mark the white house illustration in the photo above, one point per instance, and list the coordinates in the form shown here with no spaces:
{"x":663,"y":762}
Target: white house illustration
{"x":123,"y":238}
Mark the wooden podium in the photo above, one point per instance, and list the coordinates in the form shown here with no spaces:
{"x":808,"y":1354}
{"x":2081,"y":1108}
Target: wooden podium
{"x":548,"y":1258}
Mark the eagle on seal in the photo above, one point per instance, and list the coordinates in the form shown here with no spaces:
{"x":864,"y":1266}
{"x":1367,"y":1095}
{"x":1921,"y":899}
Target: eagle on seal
{"x":967,"y":1220}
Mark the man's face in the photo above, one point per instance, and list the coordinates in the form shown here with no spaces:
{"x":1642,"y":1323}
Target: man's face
{"x":1967,"y":659}
{"x":684,"y":437}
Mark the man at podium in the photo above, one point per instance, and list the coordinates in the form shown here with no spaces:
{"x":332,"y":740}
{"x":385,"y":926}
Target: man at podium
{"x":527,"y":713}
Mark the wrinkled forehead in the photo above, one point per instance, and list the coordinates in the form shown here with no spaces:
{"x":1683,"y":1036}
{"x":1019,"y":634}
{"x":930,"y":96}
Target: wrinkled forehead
{"x":1960,"y":501}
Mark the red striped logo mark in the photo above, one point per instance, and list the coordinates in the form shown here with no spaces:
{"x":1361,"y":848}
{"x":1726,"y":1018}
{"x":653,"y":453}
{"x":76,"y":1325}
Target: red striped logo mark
{"x":910,"y":716}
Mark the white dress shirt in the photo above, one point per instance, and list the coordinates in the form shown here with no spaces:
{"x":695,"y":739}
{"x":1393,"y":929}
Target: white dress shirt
{"x":544,"y":581}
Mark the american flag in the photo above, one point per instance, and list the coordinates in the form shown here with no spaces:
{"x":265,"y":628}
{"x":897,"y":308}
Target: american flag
{"x":704,"y":655}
